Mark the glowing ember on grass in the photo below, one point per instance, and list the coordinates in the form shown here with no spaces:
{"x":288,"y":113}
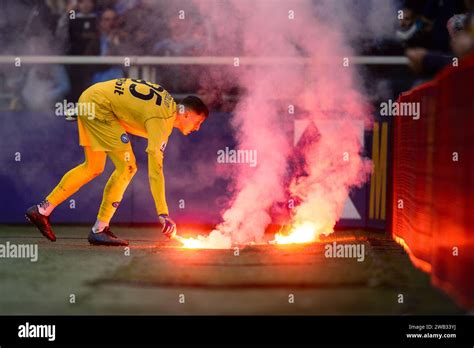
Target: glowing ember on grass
{"x":305,"y":232}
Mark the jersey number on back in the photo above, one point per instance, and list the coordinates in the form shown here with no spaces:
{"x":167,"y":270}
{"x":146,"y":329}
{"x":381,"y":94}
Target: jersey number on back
{"x":154,"y":90}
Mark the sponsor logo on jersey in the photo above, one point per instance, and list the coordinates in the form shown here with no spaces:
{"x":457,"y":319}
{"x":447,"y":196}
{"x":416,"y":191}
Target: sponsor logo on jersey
{"x":124,"y":138}
{"x":163,"y":146}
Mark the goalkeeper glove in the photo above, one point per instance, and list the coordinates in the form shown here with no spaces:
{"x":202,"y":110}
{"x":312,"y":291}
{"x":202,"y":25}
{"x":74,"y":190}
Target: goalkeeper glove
{"x":169,"y":226}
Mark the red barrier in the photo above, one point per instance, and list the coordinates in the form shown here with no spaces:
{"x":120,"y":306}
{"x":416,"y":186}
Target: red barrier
{"x":433,"y":172}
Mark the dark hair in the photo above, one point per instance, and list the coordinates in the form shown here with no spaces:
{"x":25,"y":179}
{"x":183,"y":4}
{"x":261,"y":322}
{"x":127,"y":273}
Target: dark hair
{"x":196,"y":104}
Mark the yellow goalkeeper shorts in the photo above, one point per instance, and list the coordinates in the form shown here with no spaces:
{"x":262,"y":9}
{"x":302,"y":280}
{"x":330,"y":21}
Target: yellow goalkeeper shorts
{"x":98,"y":127}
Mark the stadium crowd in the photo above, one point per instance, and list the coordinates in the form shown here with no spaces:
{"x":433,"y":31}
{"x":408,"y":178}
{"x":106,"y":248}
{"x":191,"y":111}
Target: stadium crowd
{"x":433,"y":32}
{"x":93,"y":28}
{"x":430,"y":33}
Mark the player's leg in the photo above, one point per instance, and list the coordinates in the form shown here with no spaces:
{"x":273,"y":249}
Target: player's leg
{"x":70,"y":183}
{"x":125,"y":169}
{"x":77,"y":177}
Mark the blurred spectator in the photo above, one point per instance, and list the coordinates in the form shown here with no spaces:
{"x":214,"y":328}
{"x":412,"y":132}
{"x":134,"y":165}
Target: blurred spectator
{"x":460,"y":30}
{"x":186,"y":38}
{"x":77,"y":30}
{"x":108,"y":40}
{"x":77,"y":27}
{"x":438,"y":12}
{"x":413,"y":31}
{"x":119,"y":6}
{"x":143,"y":25}
{"x":108,"y":43}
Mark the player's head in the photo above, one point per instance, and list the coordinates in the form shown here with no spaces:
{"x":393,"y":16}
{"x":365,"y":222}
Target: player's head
{"x":192,"y":112}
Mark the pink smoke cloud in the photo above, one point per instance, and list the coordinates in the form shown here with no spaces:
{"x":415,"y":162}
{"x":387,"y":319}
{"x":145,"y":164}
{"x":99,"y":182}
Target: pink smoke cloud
{"x":325,"y":88}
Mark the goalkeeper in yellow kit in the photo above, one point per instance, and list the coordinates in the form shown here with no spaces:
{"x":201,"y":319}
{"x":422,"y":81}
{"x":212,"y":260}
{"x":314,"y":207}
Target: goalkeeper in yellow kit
{"x":122,"y":106}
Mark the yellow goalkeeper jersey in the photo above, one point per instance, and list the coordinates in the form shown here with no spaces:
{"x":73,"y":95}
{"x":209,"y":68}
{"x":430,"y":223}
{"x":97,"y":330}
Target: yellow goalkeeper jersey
{"x":124,"y":106}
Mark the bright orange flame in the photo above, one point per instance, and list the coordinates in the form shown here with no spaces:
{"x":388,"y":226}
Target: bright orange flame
{"x":305,"y":232}
{"x":215,"y":240}
{"x":190,"y":243}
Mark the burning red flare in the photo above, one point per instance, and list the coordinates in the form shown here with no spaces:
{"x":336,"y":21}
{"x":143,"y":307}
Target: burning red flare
{"x":191,"y":243}
{"x":305,"y":232}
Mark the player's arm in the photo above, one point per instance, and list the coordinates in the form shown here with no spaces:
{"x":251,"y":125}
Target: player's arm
{"x":157,"y":138}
